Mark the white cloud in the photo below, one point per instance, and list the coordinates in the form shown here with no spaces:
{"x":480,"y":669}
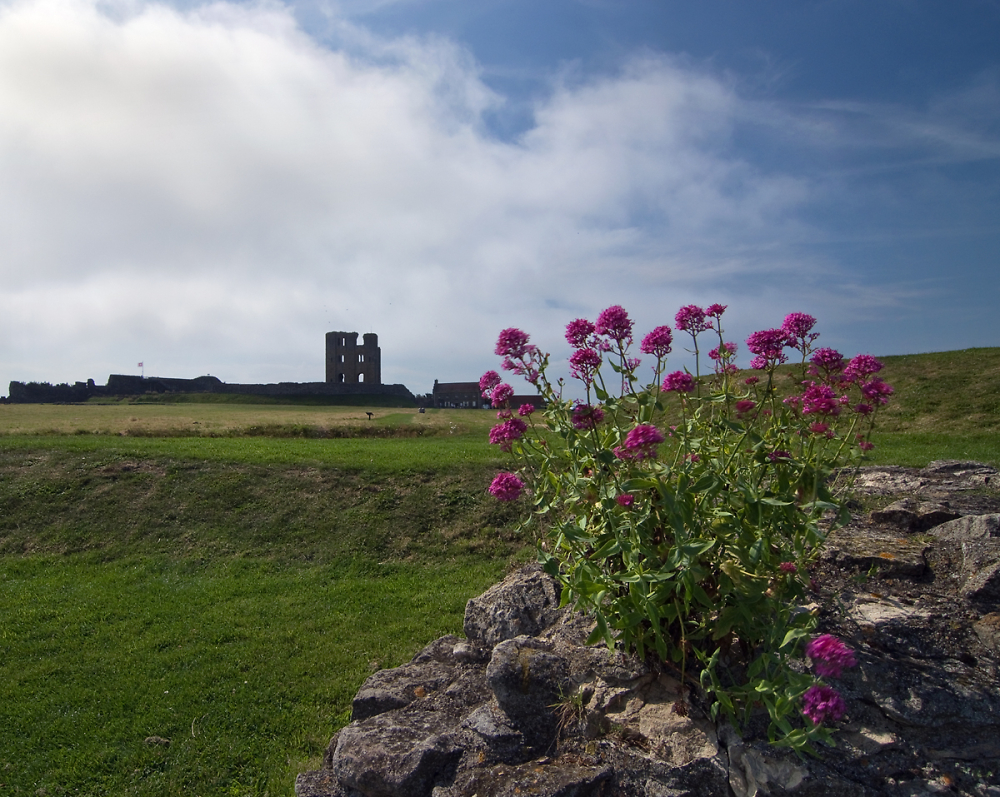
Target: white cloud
{"x":212,"y":191}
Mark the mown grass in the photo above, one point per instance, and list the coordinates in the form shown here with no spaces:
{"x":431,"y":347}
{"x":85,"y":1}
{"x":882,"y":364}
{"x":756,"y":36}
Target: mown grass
{"x":224,"y":576}
{"x":241,"y":669}
{"x":220,"y":419}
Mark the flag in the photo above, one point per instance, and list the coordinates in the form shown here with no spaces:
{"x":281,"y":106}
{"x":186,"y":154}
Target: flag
{"x":140,"y":365}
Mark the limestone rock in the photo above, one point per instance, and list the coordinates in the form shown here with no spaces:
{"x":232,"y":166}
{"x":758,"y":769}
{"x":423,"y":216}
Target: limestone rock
{"x":913,"y":515}
{"x":525,"y":603}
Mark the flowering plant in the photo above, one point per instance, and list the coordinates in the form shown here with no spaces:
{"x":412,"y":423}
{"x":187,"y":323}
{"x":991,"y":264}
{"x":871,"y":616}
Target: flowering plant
{"x":693,"y":540}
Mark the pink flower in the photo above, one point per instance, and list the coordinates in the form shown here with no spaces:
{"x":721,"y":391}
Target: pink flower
{"x":818,"y":428}
{"x":625,"y":500}
{"x":821,"y":400}
{"x":640,"y":443}
{"x":744,"y":406}
{"x":578,"y":331}
{"x":615,"y":323}
{"x":861,"y":366}
{"x":788,"y":567}
{"x":680,"y":381}
{"x":691,"y":318}
{"x":777,"y":454}
{"x":829,"y":361}
{"x":500,"y":394}
{"x":715,"y":310}
{"x":503,"y":434}
{"x":725,"y":351}
{"x":877,"y":391}
{"x":657,"y":342}
{"x":767,"y":344}
{"x":751,"y":380}
{"x":796,"y":327}
{"x":829,"y":655}
{"x":512,"y":343}
{"x":821,"y":703}
{"x":863,"y":409}
{"x":583,"y":364}
{"x":506,"y":487}
{"x":586,"y":416}
{"x":525,"y":410}
{"x":487,"y":382}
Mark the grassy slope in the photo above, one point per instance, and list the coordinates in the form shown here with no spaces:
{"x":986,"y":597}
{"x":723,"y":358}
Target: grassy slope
{"x":228,"y":594}
{"x":945,"y":392}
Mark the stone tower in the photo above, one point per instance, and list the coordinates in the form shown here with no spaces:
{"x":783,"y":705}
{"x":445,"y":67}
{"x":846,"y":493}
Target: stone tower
{"x":347,"y":363}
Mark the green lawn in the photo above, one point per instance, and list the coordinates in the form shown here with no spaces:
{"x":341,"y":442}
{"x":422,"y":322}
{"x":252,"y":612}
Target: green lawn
{"x":245,"y":666}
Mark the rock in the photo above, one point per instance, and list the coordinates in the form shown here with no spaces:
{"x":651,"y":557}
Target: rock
{"x":913,"y":515}
{"x":525,"y":603}
{"x":399,"y":754}
{"x":751,"y":773}
{"x":391,"y":689}
{"x":528,"y":680}
{"x":988,"y":631}
{"x":524,"y":706}
{"x":557,"y":777}
{"x":973,"y":527}
{"x":864,"y":549}
{"x":981,"y":570}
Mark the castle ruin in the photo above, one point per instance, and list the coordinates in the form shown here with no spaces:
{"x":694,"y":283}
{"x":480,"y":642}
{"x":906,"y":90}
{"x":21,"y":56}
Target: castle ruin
{"x":347,"y":363}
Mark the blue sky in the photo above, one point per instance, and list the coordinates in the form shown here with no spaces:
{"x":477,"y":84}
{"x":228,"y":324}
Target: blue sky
{"x":209,"y":188}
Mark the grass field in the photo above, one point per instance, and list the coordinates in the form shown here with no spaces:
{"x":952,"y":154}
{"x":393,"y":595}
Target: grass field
{"x":223,"y":577}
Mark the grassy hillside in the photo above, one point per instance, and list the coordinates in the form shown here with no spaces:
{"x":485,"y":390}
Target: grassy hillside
{"x":944,"y":392}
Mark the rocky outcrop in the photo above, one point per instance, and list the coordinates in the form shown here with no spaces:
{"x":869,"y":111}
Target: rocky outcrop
{"x":523,"y":706}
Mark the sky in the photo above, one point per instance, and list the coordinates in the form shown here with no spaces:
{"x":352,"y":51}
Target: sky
{"x":209,"y":188}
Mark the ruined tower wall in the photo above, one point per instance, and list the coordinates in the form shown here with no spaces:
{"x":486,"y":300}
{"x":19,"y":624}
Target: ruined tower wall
{"x":347,"y":363}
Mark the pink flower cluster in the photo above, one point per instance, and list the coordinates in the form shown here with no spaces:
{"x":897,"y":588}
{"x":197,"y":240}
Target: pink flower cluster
{"x":583,"y":364}
{"x":829,"y":655}
{"x":518,"y":355}
{"x":503,"y":434}
{"x":615,"y":324}
{"x":768,"y":345}
{"x":679,"y":381}
{"x":640,"y":443}
{"x":861,"y":366}
{"x":512,"y":343}
{"x":692,"y":319}
{"x":657,"y":342}
{"x":820,"y":400}
{"x":487,"y":382}
{"x":506,"y":487}
{"x":501,"y":394}
{"x":821,"y":702}
{"x":796,"y":327}
{"x":578,"y":332}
